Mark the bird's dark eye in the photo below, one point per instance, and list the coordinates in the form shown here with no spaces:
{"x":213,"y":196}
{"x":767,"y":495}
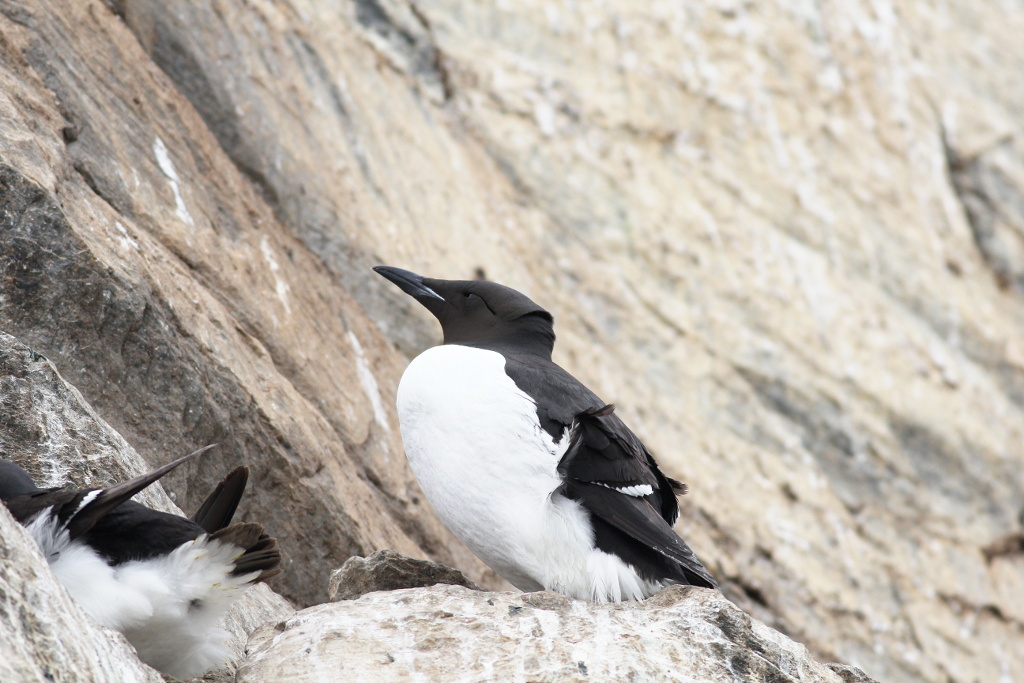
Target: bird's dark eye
{"x":470,"y":296}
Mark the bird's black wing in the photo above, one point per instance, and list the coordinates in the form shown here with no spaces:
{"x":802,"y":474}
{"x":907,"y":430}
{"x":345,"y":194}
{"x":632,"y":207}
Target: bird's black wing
{"x":25,"y":507}
{"x":25,"y":501}
{"x":23,"y":498}
{"x":608,"y":471}
{"x":219,"y":507}
{"x":80,"y":518}
{"x":604,"y":463}
{"x":132,"y":531}
{"x":120,"y":529}
{"x":560,"y":398}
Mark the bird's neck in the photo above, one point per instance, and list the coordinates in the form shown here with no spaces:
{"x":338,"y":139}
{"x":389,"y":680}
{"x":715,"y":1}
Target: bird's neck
{"x":530,"y":335}
{"x":513,"y":345}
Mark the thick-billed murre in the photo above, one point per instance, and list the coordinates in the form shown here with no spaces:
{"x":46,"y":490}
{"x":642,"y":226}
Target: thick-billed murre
{"x":163,"y":580}
{"x":526,"y":465}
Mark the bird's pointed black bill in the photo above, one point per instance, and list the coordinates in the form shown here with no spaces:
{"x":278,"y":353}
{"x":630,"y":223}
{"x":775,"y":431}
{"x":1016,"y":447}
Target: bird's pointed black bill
{"x":408,"y":282}
{"x":110,"y":498}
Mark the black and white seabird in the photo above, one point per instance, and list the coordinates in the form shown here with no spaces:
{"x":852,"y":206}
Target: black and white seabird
{"x":163,"y":580}
{"x":526,"y":465}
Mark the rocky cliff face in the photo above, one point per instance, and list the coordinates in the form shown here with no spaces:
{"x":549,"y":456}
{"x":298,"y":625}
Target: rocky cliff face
{"x":787,"y":240}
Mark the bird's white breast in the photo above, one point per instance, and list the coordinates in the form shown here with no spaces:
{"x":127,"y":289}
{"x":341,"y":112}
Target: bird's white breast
{"x":477,"y":449}
{"x":476,"y":446}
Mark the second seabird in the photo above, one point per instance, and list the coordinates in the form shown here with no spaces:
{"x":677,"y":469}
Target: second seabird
{"x":163,"y":580}
{"x":526,"y":465}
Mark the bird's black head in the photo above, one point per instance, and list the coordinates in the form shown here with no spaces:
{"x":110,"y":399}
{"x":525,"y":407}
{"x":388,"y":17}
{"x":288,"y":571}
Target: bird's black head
{"x":479,"y":313}
{"x":14,"y":481}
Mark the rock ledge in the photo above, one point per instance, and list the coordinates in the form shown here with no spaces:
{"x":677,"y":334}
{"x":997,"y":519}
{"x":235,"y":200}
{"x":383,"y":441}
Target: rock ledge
{"x":451,"y":633}
{"x":387,"y":570}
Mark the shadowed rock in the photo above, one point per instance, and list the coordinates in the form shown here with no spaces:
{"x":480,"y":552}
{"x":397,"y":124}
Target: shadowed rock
{"x":386,"y":570}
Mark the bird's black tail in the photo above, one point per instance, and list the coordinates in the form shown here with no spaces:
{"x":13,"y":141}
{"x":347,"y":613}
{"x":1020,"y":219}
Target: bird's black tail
{"x":261,"y":552}
{"x":219,"y":507}
{"x":79,"y":518}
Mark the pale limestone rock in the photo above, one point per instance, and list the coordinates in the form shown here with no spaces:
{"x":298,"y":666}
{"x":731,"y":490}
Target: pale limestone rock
{"x":450,"y":633}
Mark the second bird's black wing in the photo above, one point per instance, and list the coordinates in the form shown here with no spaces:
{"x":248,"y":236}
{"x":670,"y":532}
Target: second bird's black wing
{"x":79,"y":518}
{"x":118,"y":528}
{"x":122,"y":530}
{"x":25,"y":500}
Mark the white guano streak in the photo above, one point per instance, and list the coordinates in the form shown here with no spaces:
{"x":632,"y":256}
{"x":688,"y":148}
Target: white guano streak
{"x":280,"y":286}
{"x":368,"y":382}
{"x":163,"y":160}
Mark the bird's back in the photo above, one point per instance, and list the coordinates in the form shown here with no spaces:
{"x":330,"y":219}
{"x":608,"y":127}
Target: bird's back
{"x":133,"y":531}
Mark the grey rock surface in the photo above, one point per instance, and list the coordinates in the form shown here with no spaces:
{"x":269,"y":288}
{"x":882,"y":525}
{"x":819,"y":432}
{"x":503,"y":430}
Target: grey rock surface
{"x":849,"y":674}
{"x":148,"y":268}
{"x":449,"y":633}
{"x":386,"y":570}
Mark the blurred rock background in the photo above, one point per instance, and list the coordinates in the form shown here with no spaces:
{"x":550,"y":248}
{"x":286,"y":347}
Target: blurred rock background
{"x":786,"y":239}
